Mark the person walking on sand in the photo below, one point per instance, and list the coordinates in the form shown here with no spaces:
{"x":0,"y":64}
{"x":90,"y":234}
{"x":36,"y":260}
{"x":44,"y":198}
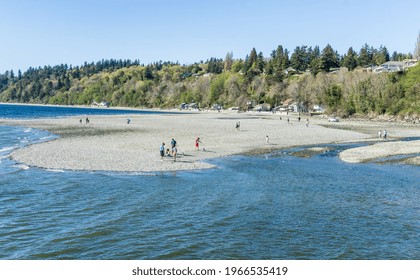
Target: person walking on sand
{"x":385,"y":133}
{"x":307,"y":122}
{"x":267,"y":140}
{"x":162,"y":151}
{"x":380,"y":134}
{"x":173,"y":143}
{"x":174,"y":152}
{"x":197,"y":141}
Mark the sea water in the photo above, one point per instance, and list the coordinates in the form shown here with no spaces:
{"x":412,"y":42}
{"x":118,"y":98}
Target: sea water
{"x":273,"y":206}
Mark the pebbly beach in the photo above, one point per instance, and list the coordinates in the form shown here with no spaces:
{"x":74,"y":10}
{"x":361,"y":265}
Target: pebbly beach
{"x":130,"y":143}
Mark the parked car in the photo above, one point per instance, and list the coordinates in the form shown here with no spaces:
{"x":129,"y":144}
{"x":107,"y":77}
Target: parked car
{"x":333,"y":119}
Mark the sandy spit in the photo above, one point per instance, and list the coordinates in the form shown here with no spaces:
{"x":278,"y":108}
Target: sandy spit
{"x":108,"y":143}
{"x":383,"y":150}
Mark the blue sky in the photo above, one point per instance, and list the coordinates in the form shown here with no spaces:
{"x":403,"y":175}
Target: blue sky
{"x":46,"y":32}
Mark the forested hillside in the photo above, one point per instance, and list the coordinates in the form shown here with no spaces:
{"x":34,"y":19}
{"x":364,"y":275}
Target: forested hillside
{"x":343,"y":84}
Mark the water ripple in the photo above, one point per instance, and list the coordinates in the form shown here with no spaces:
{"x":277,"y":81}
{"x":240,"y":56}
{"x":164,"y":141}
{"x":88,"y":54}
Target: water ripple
{"x":265,"y":207}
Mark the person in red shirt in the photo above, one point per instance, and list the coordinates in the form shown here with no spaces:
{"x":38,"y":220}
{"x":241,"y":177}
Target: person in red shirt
{"x":197,"y":141}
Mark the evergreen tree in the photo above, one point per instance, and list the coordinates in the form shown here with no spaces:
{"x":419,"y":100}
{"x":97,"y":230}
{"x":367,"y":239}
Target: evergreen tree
{"x":148,"y":74}
{"x":246,"y":65}
{"x":59,"y":83}
{"x":251,"y":65}
{"x":215,"y":66}
{"x":260,"y":64}
{"x":350,"y":59}
{"x":252,"y":57}
{"x":49,"y":88}
{"x":315,"y":64}
{"x":329,"y":59}
{"x":300,"y":58}
{"x":276,"y":66}
{"x":381,"y":56}
{"x":67,"y":83}
{"x":282,"y":58}
{"x":365,"y":56}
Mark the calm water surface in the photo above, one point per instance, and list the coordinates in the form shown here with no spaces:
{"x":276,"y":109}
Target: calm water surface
{"x":274,"y":206}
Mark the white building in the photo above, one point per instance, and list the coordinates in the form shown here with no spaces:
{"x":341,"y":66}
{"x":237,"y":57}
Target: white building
{"x":318,"y":109}
{"x":297,"y":107}
{"x":395,"y":66}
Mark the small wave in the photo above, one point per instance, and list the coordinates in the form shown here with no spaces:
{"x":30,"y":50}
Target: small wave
{"x":3,"y":157}
{"x":126,"y":173}
{"x":22,"y":166}
{"x":47,"y":138}
{"x":28,"y":130}
{"x":6,"y":149}
{"x":55,"y":170}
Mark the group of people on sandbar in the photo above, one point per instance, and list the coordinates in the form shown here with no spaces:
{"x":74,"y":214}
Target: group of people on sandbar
{"x":169,"y":153}
{"x":173,"y":152}
{"x":382,"y":134}
{"x":87,"y":120}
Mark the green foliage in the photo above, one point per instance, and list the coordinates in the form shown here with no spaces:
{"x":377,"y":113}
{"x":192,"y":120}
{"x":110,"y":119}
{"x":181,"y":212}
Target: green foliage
{"x":412,"y":78}
{"x":329,"y":59}
{"x":380,"y":56}
{"x":350,"y":60}
{"x":300,"y":58}
{"x":217,"y":88}
{"x":365,"y":56}
{"x":215,"y":66}
{"x":237,"y":66}
{"x":333,"y":97}
{"x":227,"y":82}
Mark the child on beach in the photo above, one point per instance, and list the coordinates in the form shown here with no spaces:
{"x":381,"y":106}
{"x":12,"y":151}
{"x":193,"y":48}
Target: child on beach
{"x":196,"y":143}
{"x":162,"y":151}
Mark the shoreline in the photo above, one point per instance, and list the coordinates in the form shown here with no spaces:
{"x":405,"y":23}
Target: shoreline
{"x":108,"y":143}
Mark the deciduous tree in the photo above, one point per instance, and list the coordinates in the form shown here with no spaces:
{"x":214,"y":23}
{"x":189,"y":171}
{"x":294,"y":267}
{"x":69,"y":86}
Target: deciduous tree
{"x":417,"y":48}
